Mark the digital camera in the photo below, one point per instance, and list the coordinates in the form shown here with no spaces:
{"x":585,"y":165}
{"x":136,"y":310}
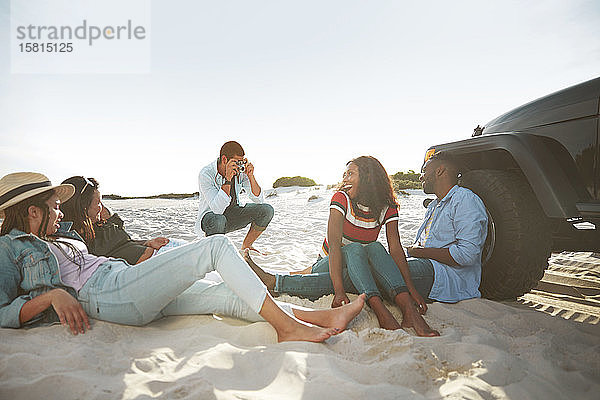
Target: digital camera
{"x":241,"y":165}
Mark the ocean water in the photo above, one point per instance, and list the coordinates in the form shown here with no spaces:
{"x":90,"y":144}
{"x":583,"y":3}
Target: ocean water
{"x":292,"y":239}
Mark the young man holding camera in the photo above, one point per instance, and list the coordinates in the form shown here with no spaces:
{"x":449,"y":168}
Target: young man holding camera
{"x":220,"y":184}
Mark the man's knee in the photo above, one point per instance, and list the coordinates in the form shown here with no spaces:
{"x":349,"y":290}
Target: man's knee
{"x":213,"y":224}
{"x":420,"y":266}
{"x":269,"y":210}
{"x":265,"y":215}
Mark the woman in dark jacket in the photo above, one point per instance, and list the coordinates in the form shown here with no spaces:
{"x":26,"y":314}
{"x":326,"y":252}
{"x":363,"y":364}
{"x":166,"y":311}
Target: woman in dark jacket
{"x":101,"y":230}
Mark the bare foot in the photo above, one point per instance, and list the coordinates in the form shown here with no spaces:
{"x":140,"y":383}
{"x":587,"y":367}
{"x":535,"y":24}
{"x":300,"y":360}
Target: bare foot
{"x":388,"y":322}
{"x":413,"y":319}
{"x":265,"y":277}
{"x":250,"y":248}
{"x":305,"y":333}
{"x":384,"y":316}
{"x":305,"y":271}
{"x":342,"y":316}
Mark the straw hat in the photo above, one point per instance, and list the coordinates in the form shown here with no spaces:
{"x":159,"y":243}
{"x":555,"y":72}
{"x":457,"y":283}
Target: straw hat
{"x":23,"y":185}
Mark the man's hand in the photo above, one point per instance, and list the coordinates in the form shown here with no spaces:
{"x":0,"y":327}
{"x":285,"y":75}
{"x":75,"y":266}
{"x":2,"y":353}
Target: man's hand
{"x":442,"y":255}
{"x":249,"y":168}
{"x":339,"y":300}
{"x":254,"y":186}
{"x":157,"y":243}
{"x":231,"y":169}
{"x":69,"y":311}
{"x":413,"y":250}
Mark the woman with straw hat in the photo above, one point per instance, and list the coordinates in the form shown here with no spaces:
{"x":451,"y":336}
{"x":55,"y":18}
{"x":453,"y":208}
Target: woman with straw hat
{"x":47,"y":275}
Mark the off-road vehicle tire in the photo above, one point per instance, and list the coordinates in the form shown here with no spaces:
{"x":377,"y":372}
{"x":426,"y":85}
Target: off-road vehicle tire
{"x":519,"y":237}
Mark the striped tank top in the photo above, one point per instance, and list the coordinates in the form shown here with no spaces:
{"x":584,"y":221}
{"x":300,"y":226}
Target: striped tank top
{"x":359,"y":224}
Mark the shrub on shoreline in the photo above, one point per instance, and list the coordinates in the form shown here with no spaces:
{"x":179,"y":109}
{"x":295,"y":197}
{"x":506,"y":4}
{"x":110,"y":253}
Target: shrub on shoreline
{"x":293,"y":181}
{"x":405,"y":180}
{"x":405,"y":184}
{"x":409,"y":176}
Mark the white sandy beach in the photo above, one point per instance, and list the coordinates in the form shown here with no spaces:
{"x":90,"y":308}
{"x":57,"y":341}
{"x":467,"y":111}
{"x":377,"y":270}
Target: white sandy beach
{"x":544,"y":346}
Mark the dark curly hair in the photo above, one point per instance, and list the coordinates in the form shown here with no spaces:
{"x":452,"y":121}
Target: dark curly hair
{"x":75,"y":209}
{"x":374,"y":187}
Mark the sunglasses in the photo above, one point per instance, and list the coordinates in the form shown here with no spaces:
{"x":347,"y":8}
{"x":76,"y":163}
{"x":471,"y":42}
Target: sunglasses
{"x":87,"y":183}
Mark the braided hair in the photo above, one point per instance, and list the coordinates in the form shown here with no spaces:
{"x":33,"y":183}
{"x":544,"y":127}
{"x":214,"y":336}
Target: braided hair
{"x":15,"y":216}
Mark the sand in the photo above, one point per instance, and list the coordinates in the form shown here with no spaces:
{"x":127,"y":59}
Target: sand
{"x":545,"y":346}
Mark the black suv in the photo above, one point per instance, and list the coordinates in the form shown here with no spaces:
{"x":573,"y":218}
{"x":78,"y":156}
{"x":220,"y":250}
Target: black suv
{"x":537,"y":169}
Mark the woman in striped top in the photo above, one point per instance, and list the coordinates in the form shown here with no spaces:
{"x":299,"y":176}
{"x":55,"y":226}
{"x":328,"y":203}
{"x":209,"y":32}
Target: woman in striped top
{"x":364,"y":204}
{"x":352,"y":260}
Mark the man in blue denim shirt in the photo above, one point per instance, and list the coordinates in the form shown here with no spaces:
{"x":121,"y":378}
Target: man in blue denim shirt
{"x":452,"y":234}
{"x":446,"y":255}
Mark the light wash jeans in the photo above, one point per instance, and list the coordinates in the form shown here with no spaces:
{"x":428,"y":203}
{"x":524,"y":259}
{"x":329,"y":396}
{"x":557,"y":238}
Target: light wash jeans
{"x":366,"y":269}
{"x":173,"y":243}
{"x":169,"y":284}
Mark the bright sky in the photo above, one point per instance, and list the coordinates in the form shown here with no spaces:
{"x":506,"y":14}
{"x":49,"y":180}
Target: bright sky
{"x":304,"y":86}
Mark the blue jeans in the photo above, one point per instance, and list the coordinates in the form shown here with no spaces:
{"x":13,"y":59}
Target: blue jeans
{"x":169,"y":284}
{"x":236,"y":217}
{"x":387,"y":275}
{"x":366,"y":269}
{"x":318,"y":283}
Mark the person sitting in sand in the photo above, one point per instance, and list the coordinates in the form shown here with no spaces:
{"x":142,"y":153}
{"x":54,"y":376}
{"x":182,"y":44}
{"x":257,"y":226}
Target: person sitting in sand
{"x":46,"y":277}
{"x":102,"y":230}
{"x":221,"y":182}
{"x":446,"y":257}
{"x":352,"y":260}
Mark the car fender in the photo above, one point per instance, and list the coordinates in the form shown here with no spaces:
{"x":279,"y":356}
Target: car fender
{"x":554,"y":190}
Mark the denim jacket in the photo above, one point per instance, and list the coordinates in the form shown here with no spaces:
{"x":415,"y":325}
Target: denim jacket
{"x":28,"y":268}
